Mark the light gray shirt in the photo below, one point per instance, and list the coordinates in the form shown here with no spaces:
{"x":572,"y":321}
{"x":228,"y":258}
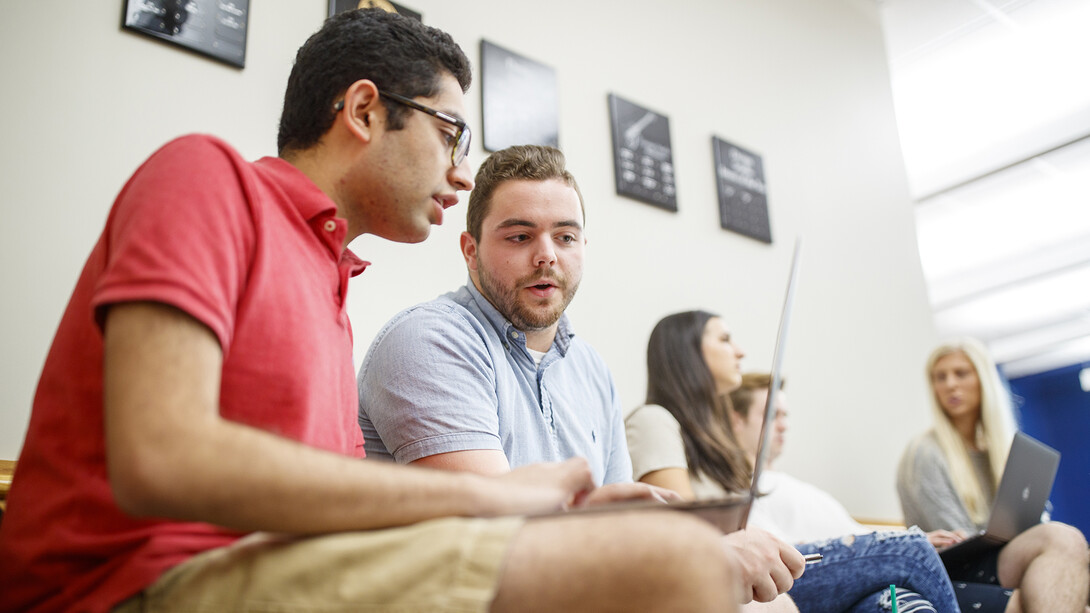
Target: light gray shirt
{"x":928,"y":497}
{"x":454,"y":375}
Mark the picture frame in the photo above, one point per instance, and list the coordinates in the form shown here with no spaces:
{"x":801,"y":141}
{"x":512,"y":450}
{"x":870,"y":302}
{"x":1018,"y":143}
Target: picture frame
{"x":213,"y":28}
{"x":339,"y":6}
{"x":643,"y":160}
{"x":519,"y":100}
{"x":743,"y":194}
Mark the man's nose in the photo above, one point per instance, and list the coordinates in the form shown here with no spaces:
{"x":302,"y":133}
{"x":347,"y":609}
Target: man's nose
{"x":460,"y":177}
{"x":544,"y":254}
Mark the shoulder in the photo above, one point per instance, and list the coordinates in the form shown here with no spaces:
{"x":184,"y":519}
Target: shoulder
{"x":923,"y":460}
{"x":777,"y":484}
{"x":650,"y":417}
{"x":197,"y":149}
{"x":433,"y":331}
{"x":440,"y":318}
{"x":164,"y":182}
{"x":924,"y":449}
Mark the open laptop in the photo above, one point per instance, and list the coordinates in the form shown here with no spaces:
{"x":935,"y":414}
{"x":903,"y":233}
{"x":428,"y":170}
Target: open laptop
{"x":731,"y":512}
{"x":1020,"y":500}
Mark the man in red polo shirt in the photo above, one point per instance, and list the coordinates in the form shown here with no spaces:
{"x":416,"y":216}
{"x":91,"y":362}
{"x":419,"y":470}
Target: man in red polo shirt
{"x":193,"y":442}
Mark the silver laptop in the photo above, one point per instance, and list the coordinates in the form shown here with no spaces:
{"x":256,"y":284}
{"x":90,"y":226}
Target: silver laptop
{"x":731,"y":512}
{"x":1020,"y":500}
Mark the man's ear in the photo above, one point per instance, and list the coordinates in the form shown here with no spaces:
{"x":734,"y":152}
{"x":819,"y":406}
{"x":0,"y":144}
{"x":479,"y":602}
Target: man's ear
{"x":361,"y":108}
{"x":469,"y":251}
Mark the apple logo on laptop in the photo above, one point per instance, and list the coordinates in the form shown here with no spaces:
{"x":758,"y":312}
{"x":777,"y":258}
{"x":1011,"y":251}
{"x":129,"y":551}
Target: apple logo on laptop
{"x":1025,"y":494}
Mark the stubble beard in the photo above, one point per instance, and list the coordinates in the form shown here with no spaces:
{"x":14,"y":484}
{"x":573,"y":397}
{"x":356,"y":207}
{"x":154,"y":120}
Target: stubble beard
{"x":517,"y":311}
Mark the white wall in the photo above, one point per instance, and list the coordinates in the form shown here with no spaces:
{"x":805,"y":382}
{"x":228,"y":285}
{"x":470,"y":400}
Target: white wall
{"x":802,"y":83}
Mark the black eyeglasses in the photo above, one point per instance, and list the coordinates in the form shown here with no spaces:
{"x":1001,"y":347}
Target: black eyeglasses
{"x":461,"y":138}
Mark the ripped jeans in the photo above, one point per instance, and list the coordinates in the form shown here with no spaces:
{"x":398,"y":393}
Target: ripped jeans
{"x":856,"y":572}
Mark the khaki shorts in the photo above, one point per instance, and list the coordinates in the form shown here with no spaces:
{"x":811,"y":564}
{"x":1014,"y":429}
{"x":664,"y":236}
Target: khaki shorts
{"x":448,"y":564}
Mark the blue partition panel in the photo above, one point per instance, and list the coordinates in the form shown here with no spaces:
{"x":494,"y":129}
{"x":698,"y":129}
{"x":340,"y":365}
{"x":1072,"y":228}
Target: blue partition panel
{"x":1053,"y":408}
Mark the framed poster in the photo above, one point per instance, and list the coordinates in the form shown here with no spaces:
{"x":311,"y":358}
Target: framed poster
{"x":339,"y":6}
{"x":519,"y":100}
{"x":740,"y":183}
{"x":643,"y":162}
{"x":215,"y":28}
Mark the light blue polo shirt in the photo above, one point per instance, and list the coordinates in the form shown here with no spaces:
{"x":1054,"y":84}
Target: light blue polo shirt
{"x":453,"y":375}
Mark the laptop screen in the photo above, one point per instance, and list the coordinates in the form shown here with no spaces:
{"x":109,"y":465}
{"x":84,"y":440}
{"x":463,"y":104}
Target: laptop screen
{"x":764,"y":446}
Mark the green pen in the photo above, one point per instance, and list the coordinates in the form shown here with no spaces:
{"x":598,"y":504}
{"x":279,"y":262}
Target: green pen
{"x":893,"y":596}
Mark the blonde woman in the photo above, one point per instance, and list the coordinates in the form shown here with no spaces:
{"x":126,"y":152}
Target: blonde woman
{"x":948,"y":476}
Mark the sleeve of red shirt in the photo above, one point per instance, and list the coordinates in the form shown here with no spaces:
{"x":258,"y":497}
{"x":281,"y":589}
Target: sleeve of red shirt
{"x":182,"y":234}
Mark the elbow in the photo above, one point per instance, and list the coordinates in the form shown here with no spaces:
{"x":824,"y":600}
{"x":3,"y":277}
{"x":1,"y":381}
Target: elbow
{"x":141,"y":483}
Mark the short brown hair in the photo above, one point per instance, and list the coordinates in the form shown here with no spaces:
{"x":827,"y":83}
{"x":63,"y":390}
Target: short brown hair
{"x":525,"y":162}
{"x":741,"y":399}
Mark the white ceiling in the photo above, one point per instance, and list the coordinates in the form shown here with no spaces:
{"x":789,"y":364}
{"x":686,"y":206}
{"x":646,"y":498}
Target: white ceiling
{"x":993,"y":107}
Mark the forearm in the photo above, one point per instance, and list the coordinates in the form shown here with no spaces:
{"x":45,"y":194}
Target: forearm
{"x":171,"y":454}
{"x":676,"y":479}
{"x":247,"y":479}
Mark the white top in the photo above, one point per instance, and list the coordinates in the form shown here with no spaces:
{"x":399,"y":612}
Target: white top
{"x":793,"y":510}
{"x":801,"y":512}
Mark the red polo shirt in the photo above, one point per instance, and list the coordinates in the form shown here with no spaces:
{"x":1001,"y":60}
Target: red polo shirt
{"x":252,"y":250}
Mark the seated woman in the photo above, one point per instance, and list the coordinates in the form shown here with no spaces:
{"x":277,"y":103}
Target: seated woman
{"x":948,"y":475}
{"x":682,"y":440}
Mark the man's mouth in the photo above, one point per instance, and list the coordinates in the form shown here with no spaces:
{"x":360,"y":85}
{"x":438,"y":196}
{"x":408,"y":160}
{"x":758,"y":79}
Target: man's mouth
{"x":544,"y":288}
{"x":447,"y":201}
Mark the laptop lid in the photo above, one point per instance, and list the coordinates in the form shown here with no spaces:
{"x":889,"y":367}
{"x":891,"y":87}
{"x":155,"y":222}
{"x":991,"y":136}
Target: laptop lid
{"x":1024,"y":488}
{"x":1019,"y":502}
{"x":764,"y":444}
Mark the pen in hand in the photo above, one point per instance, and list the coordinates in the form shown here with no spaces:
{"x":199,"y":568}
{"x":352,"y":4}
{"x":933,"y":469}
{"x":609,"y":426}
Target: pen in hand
{"x":812,"y":558}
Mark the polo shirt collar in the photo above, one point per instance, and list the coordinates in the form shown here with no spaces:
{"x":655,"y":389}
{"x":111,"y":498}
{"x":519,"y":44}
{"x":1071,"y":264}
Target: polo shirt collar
{"x":316,"y":208}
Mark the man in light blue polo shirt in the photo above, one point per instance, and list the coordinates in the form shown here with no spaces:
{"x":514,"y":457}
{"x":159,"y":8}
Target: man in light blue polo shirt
{"x":491,"y":376}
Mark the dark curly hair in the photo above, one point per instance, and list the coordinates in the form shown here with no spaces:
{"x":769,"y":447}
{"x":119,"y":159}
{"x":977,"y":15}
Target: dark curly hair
{"x":399,"y":54}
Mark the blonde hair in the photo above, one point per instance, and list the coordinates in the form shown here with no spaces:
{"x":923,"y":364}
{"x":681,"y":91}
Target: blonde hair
{"x":994,"y":430}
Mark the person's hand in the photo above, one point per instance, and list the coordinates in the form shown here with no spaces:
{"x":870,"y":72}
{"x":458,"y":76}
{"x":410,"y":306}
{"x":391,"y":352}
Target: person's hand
{"x":945,"y":538}
{"x":540,"y":488}
{"x":620,"y":492}
{"x":769,"y":566}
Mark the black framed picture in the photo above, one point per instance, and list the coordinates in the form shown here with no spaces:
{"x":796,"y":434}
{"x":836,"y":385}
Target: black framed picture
{"x":214,"y":28}
{"x":339,"y":6}
{"x":519,"y":103}
{"x":643,"y":162}
{"x":743,"y":197}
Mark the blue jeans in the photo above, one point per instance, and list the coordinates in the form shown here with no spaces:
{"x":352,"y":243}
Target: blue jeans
{"x":857,"y":570}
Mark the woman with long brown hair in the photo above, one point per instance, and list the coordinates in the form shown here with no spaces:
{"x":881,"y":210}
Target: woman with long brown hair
{"x":682,"y":440}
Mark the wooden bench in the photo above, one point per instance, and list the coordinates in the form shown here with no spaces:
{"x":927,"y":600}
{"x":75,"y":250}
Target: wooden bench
{"x":7,"y":469}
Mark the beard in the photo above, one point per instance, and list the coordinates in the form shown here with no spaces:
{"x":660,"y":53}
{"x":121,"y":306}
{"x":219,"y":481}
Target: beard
{"x":527,"y":314}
